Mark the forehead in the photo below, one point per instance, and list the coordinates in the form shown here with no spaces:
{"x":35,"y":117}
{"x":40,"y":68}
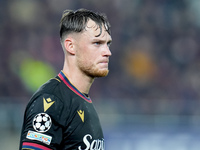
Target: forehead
{"x":92,"y":29}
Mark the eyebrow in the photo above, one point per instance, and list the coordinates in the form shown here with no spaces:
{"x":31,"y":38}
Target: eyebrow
{"x":102,"y":41}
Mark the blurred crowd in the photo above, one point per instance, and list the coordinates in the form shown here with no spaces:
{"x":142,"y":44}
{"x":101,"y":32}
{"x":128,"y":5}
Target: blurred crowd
{"x":155,"y":62}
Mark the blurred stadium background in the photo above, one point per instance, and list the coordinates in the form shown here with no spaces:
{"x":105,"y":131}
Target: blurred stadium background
{"x":151,"y":98}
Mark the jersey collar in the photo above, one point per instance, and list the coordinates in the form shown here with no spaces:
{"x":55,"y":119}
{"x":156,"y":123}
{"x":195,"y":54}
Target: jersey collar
{"x":64,"y":78}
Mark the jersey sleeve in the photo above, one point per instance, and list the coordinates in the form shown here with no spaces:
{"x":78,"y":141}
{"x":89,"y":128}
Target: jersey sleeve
{"x":43,"y":123}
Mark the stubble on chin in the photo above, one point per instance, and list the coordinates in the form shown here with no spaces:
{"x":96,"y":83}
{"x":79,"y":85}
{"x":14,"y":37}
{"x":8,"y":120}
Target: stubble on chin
{"x":100,"y":73}
{"x":92,"y":71}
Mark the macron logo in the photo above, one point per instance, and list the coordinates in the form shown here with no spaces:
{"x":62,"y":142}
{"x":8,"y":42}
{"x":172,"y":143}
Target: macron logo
{"x":47,"y":103}
{"x":81,"y":114}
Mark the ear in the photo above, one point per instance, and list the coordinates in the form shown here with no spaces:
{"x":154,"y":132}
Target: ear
{"x":69,"y":45}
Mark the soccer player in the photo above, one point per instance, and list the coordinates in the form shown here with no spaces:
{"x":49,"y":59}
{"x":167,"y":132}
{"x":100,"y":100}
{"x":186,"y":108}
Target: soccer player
{"x":61,"y":115}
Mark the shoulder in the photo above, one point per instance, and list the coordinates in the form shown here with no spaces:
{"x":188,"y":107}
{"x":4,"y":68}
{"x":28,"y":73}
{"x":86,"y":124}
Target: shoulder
{"x":52,"y":86}
{"x":44,"y":104}
{"x":49,"y":100}
{"x":52,"y":90}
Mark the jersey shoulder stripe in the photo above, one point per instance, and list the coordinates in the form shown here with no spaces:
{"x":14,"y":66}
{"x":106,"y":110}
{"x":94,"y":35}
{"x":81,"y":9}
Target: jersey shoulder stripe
{"x":33,"y":146}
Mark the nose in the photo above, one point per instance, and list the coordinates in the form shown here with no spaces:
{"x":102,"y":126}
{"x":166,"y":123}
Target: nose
{"x":106,"y":51}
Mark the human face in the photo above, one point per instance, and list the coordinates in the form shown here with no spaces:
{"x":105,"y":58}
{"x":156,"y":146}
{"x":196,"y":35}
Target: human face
{"x":92,"y":52}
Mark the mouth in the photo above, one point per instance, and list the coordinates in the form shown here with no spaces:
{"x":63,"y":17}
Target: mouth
{"x":103,"y":64}
{"x":104,"y":61}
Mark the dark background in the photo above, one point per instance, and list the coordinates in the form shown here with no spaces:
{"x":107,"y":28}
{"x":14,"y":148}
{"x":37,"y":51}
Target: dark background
{"x":149,"y":100}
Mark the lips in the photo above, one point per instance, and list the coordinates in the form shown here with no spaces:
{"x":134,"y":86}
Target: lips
{"x":103,"y":64}
{"x":104,"y":61}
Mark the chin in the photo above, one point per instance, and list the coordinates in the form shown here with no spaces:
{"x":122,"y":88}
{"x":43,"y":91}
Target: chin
{"x":99,"y":73}
{"x":103,"y":73}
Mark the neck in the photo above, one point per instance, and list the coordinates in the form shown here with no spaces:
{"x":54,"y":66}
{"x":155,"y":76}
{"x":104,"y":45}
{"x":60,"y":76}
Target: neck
{"x":81,"y":81}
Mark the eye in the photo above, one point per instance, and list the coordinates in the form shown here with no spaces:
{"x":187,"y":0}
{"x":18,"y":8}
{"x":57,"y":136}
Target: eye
{"x":97,"y":43}
{"x":109,"y":44}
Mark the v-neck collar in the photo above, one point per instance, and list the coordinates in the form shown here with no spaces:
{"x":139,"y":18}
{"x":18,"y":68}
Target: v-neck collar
{"x":64,"y":78}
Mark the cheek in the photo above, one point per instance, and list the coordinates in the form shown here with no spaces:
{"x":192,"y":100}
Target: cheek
{"x":88,"y":54}
{"x":90,"y":57}
{"x":84,"y":60}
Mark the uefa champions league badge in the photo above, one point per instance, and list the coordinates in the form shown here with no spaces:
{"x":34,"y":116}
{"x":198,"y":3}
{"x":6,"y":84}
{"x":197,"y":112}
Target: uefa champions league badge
{"x":42,"y":122}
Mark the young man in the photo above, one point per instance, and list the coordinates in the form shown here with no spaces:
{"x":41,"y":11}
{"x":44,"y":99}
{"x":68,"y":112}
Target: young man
{"x":60,"y":115}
